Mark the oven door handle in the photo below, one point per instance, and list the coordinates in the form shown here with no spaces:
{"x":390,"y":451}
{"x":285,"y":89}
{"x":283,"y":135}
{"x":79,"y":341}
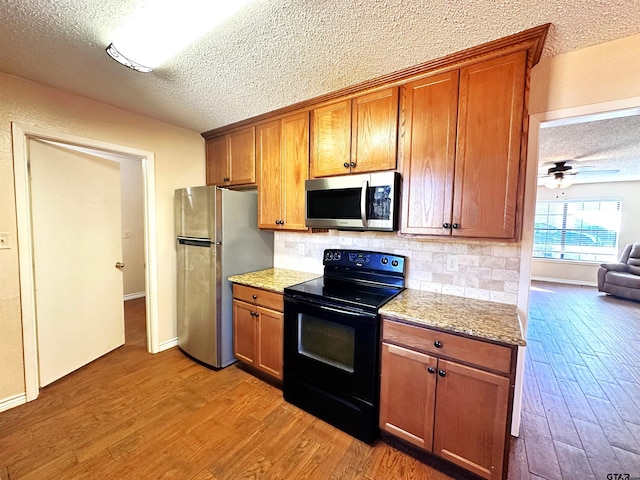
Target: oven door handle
{"x":363,"y":203}
{"x":342,"y":312}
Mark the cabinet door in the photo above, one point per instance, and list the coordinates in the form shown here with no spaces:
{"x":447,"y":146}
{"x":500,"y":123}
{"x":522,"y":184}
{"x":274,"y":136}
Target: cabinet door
{"x":295,"y":169}
{"x":242,"y":157}
{"x":331,"y":139}
{"x":216,"y":152}
{"x":407,"y":395}
{"x":375,"y":131}
{"x":428,"y":152}
{"x":244,"y":332}
{"x":488,"y":151}
{"x":270,"y":335}
{"x":268,"y":152}
{"x":471,"y":418}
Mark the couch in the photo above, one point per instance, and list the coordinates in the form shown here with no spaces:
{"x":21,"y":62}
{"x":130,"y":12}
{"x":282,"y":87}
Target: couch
{"x":622,"y":278}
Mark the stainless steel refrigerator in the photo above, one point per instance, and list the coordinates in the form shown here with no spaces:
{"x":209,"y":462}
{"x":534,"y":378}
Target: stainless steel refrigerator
{"x":217,"y":236}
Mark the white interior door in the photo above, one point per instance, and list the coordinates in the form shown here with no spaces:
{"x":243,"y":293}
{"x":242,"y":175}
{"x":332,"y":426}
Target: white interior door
{"x":75,"y":203}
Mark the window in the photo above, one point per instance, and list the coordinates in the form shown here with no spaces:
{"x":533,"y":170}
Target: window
{"x":579,"y":230}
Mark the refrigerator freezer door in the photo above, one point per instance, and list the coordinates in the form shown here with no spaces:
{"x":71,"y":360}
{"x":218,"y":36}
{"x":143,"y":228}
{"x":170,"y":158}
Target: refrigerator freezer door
{"x":195,"y":212}
{"x":198,"y":301}
{"x":244,"y":248}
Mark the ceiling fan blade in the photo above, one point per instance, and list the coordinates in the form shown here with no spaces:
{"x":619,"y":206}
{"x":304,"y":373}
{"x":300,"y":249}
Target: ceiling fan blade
{"x":598,"y":172}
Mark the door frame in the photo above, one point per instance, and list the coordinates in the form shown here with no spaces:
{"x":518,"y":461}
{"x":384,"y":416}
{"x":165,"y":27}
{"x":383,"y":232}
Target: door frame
{"x":21,"y":134}
{"x":536,"y":121}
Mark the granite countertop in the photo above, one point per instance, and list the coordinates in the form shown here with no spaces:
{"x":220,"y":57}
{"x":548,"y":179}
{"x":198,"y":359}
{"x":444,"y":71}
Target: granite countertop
{"x":475,"y":318}
{"x":273,"y":279}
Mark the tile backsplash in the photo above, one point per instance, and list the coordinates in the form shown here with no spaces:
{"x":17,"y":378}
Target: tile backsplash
{"x":485,"y":270}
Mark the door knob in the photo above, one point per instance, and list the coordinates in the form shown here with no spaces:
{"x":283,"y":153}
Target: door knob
{"x":119,"y":265}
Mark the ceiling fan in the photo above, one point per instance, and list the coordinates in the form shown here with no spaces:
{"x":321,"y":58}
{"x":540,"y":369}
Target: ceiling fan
{"x":560,"y":171}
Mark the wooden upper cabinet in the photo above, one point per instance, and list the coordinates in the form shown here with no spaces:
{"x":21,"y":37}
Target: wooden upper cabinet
{"x":295,"y":170}
{"x":488,"y":160}
{"x":429,"y":108}
{"x":268,"y":153}
{"x":282,"y":148}
{"x":242,"y":157}
{"x":460,"y":150}
{"x":375,"y":131}
{"x":356,"y":136}
{"x":217,"y":165}
{"x":231,"y":159}
{"x":331,"y":132}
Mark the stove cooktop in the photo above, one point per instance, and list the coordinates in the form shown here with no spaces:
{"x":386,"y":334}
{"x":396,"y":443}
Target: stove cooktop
{"x":345,"y":292}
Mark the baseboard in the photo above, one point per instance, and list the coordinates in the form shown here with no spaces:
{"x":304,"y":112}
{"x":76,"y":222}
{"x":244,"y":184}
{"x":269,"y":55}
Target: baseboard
{"x":168,"y":344}
{"x":132,"y":296}
{"x":12,"y":402}
{"x":566,"y":281}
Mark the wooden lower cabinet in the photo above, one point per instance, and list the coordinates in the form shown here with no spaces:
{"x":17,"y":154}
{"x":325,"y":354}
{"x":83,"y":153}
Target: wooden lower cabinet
{"x":408,"y":395}
{"x":458,"y":412}
{"x":257,"y":330}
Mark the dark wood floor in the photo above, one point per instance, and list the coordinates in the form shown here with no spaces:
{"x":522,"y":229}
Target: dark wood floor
{"x":581,"y":404}
{"x":134,"y":415}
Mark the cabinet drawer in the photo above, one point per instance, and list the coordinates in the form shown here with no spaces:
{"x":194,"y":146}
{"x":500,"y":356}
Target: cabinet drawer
{"x":257,"y":296}
{"x":476,"y":352}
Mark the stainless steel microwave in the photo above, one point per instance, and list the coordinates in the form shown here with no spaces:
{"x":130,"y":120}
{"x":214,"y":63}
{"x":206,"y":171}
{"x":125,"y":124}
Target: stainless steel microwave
{"x":354,"y":202}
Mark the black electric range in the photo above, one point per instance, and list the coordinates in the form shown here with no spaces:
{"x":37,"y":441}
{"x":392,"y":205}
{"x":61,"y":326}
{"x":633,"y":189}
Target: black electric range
{"x":332,"y":338}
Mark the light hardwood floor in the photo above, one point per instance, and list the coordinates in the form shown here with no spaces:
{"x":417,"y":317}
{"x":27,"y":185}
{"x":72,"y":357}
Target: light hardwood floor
{"x":581,"y":404}
{"x":134,"y":415}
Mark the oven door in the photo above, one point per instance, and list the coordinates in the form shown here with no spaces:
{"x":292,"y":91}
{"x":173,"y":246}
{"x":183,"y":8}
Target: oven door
{"x":332,"y":347}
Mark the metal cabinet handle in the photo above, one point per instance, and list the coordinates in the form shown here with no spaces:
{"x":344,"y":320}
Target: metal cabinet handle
{"x":455,"y":225}
{"x":442,"y":373}
{"x":119,"y":265}
{"x":226,"y":179}
{"x":353,"y":164}
{"x":254,"y":296}
{"x":431,"y":370}
{"x":446,"y":225}
{"x":437,"y":344}
{"x":346,"y":164}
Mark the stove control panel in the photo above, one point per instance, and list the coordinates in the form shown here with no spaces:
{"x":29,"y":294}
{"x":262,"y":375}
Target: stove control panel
{"x":374,"y":261}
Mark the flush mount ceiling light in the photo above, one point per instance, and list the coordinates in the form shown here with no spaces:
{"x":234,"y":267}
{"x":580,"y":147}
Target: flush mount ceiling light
{"x":159,"y":29}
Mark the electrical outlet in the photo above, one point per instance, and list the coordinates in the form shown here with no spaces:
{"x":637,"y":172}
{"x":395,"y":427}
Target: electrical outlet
{"x":4,"y":240}
{"x":301,"y":249}
{"x":452,"y":263}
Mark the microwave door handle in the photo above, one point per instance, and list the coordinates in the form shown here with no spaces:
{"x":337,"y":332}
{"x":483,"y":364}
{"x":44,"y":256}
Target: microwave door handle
{"x":363,"y":203}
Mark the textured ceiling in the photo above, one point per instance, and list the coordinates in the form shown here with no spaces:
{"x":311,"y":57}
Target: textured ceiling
{"x":278,"y":52}
{"x":601,"y":150}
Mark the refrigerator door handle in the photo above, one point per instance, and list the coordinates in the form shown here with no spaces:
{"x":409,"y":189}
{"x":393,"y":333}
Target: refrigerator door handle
{"x":194,"y":242}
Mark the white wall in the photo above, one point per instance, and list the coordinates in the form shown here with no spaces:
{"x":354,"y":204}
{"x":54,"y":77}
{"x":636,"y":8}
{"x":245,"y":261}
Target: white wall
{"x":179,"y":160}
{"x":585,"y":273}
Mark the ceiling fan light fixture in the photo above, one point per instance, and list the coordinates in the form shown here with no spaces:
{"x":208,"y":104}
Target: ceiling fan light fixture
{"x":558,"y":181}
